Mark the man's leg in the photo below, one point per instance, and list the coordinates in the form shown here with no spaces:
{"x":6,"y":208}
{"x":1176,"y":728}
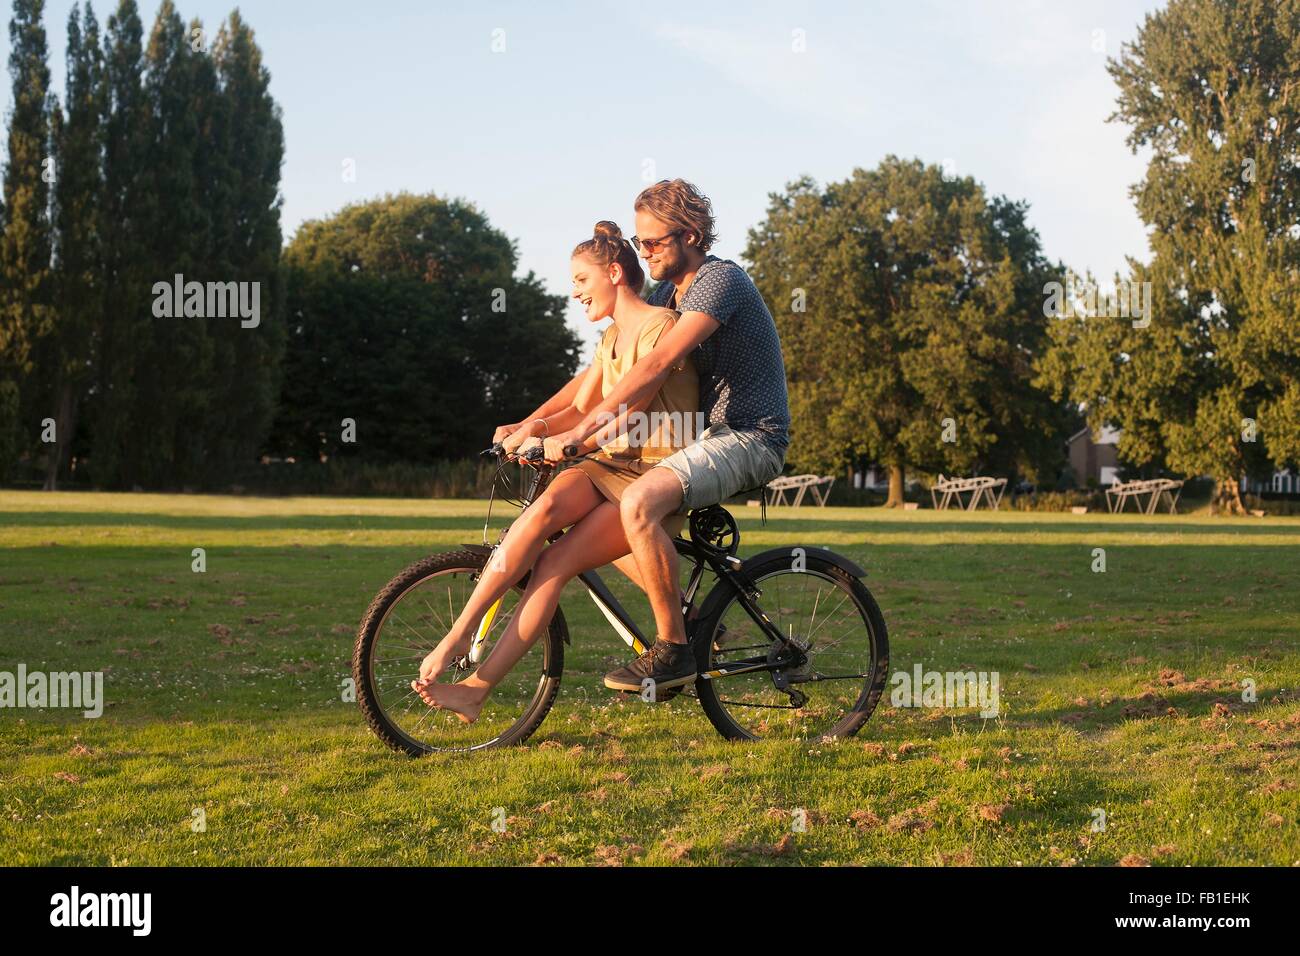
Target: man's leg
{"x":645,"y":504}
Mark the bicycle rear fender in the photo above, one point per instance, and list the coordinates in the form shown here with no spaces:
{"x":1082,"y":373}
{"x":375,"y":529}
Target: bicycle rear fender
{"x":825,"y":554}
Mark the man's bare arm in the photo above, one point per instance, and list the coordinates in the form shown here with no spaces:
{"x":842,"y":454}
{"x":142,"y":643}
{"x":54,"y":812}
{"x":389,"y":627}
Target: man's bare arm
{"x":649,"y":373}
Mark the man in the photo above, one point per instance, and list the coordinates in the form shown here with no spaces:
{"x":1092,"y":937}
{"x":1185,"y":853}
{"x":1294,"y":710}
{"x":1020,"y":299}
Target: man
{"x":742,"y":395}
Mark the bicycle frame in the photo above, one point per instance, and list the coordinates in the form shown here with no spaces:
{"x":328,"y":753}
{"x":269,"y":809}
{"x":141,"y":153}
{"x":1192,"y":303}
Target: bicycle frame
{"x":703,"y":556}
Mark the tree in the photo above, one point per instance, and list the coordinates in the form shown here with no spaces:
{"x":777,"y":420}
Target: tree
{"x":173,"y":364}
{"x":193,"y":150}
{"x":25,"y":246}
{"x":125,"y":211}
{"x":1212,"y":384}
{"x":240,"y":175}
{"x":78,"y":255}
{"x":405,"y":316}
{"x":910,"y":315}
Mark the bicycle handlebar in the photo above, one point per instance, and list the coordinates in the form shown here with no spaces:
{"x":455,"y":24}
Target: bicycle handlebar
{"x":533,"y":455}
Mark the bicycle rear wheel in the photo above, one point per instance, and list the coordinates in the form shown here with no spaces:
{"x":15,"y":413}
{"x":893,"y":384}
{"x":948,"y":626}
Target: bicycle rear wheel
{"x":408,"y":617}
{"x":811,"y":599}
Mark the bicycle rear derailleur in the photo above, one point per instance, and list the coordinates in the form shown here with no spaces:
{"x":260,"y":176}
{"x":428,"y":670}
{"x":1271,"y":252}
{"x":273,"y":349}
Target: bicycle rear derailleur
{"x":781,"y":675}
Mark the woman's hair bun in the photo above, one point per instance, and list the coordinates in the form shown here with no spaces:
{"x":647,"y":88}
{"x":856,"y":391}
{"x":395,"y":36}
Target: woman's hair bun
{"x":607,"y":246}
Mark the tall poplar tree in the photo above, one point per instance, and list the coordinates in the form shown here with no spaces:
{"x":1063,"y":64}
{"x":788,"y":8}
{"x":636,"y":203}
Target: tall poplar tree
{"x":174,"y":357}
{"x":243,"y":172}
{"x":78,"y":255}
{"x":125,"y":211}
{"x":25,"y":246}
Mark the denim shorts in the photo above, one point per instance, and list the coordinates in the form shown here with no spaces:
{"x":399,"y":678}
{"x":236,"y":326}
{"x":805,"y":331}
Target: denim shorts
{"x":721,"y":464}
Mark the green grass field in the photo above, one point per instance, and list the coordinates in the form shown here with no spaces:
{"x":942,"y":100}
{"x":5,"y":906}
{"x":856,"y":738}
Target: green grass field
{"x":1121,"y":692}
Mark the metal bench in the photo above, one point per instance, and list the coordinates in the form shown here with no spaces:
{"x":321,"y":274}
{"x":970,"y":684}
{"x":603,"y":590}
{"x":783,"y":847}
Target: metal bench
{"x":979,"y":488}
{"x":1160,"y":489}
{"x":798,"y":486}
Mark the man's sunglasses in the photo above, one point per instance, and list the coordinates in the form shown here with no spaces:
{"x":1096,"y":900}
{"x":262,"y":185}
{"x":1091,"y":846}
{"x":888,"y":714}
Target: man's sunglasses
{"x":652,"y":245}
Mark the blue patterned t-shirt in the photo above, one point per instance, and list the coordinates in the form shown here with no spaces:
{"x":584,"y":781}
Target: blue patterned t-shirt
{"x":742,"y":374}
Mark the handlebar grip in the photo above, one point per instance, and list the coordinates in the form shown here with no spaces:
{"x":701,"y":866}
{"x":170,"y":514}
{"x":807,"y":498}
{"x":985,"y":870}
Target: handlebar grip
{"x":570,"y":451}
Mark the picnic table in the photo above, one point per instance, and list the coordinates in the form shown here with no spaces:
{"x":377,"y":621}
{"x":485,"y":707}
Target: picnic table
{"x":1160,"y":489}
{"x":980,"y":488}
{"x":798,"y":486}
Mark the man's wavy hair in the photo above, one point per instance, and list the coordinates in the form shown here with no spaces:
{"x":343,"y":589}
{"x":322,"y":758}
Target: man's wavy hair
{"x":679,"y":203}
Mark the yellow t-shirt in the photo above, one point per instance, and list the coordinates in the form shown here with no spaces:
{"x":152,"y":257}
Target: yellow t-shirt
{"x":668,"y":423}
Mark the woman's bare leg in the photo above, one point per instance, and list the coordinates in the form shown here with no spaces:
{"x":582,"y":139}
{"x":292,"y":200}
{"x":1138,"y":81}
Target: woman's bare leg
{"x":565,"y":501}
{"x":594,"y":541}
{"x":627,"y":564}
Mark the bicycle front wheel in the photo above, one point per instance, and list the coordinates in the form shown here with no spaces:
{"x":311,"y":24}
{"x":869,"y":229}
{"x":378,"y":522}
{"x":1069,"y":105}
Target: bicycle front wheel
{"x":818,"y":603}
{"x":405,"y":622}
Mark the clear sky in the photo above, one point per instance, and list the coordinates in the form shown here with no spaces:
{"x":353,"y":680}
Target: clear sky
{"x":589,"y":101}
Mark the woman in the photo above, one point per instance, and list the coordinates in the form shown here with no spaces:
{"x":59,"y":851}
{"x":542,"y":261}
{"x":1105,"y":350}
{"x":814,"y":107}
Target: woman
{"x":607,"y":278}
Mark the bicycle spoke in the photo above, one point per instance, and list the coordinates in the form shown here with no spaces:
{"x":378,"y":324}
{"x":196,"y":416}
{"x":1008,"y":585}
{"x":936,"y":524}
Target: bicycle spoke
{"x":441,"y":626}
{"x":827,"y":618}
{"x":413,"y":631}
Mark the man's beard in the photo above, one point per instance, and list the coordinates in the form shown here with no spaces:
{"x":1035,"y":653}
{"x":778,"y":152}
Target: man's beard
{"x":670,"y":272}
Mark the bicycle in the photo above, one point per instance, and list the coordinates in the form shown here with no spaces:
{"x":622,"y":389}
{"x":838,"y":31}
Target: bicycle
{"x":767,"y":656}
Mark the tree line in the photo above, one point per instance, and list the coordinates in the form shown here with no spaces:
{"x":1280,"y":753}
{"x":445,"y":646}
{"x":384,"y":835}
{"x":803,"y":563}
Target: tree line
{"x":154,"y":184}
{"x":163,"y":160}
{"x":925,"y":330}
{"x":924,"y":327}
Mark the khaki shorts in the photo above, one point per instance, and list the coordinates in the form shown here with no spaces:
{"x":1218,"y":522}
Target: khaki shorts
{"x":613,"y":476}
{"x":721,"y":464}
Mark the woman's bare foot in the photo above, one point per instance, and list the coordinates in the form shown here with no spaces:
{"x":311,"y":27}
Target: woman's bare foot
{"x":440,"y":658}
{"x":465,"y":699}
